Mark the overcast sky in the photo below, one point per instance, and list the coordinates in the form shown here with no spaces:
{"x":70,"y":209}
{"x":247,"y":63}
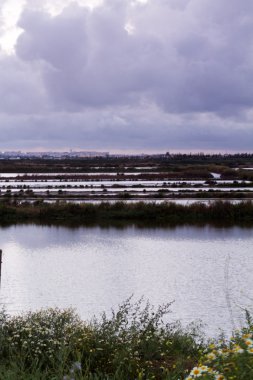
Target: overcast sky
{"x":126,"y":75}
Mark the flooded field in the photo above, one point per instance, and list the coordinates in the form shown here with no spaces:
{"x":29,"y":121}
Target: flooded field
{"x":109,"y":186}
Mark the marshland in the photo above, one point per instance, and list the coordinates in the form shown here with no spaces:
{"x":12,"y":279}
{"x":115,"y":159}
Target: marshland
{"x":87,"y":234}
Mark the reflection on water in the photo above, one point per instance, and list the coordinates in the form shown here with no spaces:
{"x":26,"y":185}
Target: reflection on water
{"x":94,"y":269}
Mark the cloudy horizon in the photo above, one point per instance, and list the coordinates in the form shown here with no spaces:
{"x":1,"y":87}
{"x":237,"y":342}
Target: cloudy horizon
{"x":126,"y":75}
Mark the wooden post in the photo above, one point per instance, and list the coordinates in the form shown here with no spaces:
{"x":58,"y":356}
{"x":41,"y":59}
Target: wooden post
{"x":0,"y":263}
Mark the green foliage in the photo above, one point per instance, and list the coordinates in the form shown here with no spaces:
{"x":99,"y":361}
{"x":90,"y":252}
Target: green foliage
{"x":133,"y":343}
{"x":232,"y":359}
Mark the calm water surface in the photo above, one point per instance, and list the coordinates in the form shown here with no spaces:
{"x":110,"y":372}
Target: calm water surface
{"x":206,"y":270}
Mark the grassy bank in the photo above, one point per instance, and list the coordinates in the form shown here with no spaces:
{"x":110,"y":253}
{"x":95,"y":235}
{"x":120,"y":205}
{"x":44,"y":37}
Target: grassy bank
{"x":223,"y":212}
{"x":133,"y":343}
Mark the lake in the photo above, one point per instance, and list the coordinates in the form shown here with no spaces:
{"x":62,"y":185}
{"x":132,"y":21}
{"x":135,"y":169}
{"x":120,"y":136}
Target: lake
{"x":206,"y":270}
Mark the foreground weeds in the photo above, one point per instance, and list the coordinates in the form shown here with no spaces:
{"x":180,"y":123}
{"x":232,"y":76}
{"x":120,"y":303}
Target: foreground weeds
{"x":232,"y":359}
{"x":134,"y":343}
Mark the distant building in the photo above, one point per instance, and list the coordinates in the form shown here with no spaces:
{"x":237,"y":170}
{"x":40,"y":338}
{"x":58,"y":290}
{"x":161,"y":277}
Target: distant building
{"x":53,"y":155}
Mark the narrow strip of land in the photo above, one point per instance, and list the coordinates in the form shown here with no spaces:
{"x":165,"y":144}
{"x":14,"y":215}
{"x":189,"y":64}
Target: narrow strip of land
{"x":164,"y":212}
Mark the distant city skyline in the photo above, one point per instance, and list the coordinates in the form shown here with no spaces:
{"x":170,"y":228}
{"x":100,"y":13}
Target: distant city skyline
{"x":121,"y":152}
{"x":133,"y":76}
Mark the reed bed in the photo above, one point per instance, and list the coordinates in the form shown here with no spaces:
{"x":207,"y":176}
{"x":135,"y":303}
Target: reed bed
{"x":165,"y":212}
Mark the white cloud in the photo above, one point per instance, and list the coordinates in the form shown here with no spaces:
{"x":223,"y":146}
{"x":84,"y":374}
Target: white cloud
{"x":10,"y":11}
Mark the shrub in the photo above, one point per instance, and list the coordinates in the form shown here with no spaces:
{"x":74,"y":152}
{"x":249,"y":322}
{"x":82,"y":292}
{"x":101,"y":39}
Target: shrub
{"x":133,"y":343}
{"x":231,"y":359}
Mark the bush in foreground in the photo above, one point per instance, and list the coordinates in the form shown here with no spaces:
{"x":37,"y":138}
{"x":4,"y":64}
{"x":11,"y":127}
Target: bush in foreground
{"x":228,"y":360}
{"x":133,"y":343}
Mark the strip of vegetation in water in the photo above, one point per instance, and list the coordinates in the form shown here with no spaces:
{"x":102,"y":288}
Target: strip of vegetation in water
{"x":152,"y":213}
{"x":133,"y":343}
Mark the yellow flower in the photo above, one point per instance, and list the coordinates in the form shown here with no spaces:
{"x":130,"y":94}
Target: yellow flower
{"x":219,"y":377}
{"x":237,"y":349}
{"x":247,"y":336}
{"x":211,"y":356}
{"x":249,"y":342}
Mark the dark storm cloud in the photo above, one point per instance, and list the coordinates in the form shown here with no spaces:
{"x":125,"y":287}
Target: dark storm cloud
{"x":21,"y":90}
{"x":88,"y":58}
{"x":133,"y":129}
{"x":193,"y":57}
{"x":84,"y":76}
